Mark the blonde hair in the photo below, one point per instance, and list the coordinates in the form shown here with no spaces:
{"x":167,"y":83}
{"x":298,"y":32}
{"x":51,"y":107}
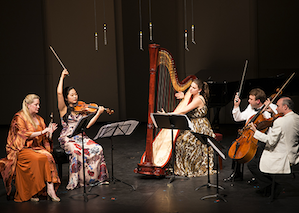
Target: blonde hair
{"x":29,"y":100}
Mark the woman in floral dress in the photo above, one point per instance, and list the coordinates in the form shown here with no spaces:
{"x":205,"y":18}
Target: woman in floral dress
{"x":95,"y":166}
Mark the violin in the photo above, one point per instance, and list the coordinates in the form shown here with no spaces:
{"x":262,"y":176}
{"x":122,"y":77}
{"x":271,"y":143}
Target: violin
{"x":81,"y":106}
{"x":268,"y":122}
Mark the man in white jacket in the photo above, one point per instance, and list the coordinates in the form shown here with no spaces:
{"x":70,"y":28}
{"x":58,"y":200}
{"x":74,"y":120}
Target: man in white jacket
{"x":282,"y":146}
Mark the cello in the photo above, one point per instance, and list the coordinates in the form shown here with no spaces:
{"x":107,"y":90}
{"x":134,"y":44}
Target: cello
{"x":244,"y":148}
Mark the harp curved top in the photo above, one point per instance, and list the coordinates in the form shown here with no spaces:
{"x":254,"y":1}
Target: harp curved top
{"x":166,"y":59}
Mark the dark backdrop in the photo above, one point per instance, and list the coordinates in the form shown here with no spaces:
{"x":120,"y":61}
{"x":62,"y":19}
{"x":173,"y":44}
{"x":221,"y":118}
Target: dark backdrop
{"x":116,"y":76}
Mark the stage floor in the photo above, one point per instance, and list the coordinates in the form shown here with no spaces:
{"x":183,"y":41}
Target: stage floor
{"x":154,"y":194}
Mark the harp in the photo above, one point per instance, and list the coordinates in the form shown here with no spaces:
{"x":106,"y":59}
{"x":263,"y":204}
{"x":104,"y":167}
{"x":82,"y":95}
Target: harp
{"x":163,"y":84}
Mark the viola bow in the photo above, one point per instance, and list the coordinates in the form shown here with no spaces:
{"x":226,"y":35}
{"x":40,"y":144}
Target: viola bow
{"x":57,"y":57}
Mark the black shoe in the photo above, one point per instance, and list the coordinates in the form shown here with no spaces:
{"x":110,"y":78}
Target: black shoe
{"x":236,"y":176}
{"x":264,"y":192}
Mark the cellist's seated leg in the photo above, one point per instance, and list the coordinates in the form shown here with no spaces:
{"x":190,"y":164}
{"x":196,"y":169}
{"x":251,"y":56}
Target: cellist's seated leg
{"x":237,"y":174}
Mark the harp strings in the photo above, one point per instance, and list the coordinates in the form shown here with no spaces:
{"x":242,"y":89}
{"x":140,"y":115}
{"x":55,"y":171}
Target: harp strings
{"x":165,"y":93}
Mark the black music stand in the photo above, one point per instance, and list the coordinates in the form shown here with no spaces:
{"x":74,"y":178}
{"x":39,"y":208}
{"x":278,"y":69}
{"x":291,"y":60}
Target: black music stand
{"x":115,"y":129}
{"x":80,"y":129}
{"x":172,"y":121}
{"x":210,"y":141}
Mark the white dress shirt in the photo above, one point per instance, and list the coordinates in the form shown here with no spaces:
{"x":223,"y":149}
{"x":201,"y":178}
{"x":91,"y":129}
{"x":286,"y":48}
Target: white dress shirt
{"x":249,"y":112}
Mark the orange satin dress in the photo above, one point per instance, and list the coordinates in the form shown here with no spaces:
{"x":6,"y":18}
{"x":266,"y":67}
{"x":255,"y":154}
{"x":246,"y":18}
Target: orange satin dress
{"x":28,"y":161}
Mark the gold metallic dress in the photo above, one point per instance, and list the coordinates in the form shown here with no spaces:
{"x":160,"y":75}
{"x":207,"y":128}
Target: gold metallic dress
{"x":191,"y":157}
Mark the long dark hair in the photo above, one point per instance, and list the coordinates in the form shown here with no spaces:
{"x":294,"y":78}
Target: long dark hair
{"x":205,"y":92}
{"x":66,"y":92}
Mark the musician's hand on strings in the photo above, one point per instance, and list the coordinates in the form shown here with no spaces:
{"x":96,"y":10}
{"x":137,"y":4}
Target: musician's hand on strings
{"x":252,"y":127}
{"x":237,"y":101}
{"x":179,"y":95}
{"x":162,"y":111}
{"x":100,"y":110}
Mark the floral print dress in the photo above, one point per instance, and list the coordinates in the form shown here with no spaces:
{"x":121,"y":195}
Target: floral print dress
{"x":95,"y":166}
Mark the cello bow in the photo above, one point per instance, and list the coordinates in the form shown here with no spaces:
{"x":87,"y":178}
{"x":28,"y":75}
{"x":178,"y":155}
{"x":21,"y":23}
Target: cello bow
{"x":242,"y":80}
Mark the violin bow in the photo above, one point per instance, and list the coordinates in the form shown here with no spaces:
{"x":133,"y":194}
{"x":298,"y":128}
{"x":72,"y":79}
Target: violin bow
{"x":57,"y":57}
{"x":280,"y":90}
{"x":242,"y":80}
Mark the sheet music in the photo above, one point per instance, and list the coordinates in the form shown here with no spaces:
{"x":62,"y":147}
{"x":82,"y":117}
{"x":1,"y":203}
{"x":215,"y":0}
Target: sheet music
{"x":190,"y":124}
{"x":119,"y":128}
{"x":216,"y":148}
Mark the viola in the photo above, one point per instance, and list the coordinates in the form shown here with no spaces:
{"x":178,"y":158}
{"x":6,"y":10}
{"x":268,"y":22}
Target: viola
{"x":81,"y":106}
{"x":268,"y":122}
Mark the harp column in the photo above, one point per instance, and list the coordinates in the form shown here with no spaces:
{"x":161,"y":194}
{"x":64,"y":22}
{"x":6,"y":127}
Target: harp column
{"x":147,"y":166}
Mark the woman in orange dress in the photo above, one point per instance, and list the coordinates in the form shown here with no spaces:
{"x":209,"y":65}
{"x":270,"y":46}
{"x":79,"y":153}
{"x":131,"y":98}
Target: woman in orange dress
{"x":29,"y":161}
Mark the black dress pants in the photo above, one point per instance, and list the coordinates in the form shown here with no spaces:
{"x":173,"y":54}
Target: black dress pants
{"x":264,"y":180}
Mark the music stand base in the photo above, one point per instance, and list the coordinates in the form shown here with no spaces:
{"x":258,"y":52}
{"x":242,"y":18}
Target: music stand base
{"x":173,"y":177}
{"x":96,"y":184}
{"x":214,"y":196}
{"x":208,"y":185}
{"x":113,"y":179}
{"x":85,"y":195}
